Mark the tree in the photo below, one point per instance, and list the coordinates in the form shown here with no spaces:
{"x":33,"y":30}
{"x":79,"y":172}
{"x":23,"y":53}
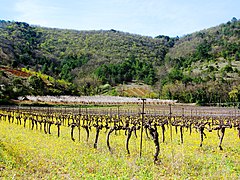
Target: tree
{"x":175,"y":74}
{"x":234,"y":94}
{"x":36,"y":85}
{"x":44,"y":68}
{"x":234,"y":20}
{"x":203,"y":49}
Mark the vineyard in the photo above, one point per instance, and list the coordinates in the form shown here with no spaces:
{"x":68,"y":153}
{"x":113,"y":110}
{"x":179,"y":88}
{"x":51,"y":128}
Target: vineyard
{"x":142,"y":141}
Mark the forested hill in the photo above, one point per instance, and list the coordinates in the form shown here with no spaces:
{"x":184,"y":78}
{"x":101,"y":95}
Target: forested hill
{"x":205,"y":65}
{"x":76,"y":51}
{"x":188,"y":68}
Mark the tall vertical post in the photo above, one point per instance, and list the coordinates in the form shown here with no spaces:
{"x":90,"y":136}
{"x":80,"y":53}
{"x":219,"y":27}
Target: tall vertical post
{"x":170,"y":120}
{"x":79,"y":125}
{"x":118,"y":110}
{"x":143,"y":103}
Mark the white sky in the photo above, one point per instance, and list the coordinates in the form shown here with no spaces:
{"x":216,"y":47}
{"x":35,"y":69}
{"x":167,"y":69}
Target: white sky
{"x":144,"y":17}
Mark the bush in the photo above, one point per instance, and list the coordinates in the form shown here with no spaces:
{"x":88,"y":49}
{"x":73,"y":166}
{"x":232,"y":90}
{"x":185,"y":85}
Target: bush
{"x":228,"y":68}
{"x":6,"y":102}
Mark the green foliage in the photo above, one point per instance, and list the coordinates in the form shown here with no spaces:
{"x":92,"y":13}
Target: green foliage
{"x":202,"y":50}
{"x":73,"y":55}
{"x":228,"y":68}
{"x":2,"y":74}
{"x":116,"y":57}
{"x":71,"y":62}
{"x":12,"y":86}
{"x":5,"y":102}
{"x":220,"y":41}
{"x":174,"y":75}
{"x":127,"y":71}
{"x":195,"y":61}
{"x":36,"y":85}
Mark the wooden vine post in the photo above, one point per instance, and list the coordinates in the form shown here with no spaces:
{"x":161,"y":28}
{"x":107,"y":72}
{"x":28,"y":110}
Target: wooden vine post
{"x":79,"y":126}
{"x":170,"y":120}
{"x":143,"y":103}
{"x":118,"y":110}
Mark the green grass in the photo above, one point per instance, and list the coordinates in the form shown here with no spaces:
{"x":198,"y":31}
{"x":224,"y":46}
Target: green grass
{"x":31,"y":154}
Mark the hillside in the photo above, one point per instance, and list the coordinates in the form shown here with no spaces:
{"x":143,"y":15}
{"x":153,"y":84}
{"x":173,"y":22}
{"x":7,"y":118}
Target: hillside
{"x":200,"y":67}
{"x":206,"y":65}
{"x":82,"y":51}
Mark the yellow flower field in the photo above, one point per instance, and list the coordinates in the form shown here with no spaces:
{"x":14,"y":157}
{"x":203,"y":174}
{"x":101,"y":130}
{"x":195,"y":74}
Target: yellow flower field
{"x":32,"y":154}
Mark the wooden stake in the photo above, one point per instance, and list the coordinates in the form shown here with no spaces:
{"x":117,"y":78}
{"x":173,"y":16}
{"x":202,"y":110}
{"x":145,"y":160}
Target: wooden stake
{"x":142,"y":126}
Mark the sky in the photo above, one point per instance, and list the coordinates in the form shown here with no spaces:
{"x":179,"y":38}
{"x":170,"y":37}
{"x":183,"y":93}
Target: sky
{"x":145,"y":17}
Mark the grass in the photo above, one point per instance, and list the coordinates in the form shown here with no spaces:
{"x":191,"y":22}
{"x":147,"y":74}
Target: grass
{"x":31,"y":154}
